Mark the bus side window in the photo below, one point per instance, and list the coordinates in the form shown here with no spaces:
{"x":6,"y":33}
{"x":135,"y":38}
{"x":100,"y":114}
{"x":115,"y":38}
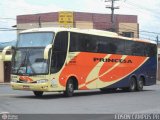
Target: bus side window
{"x":106,"y":45}
{"x":61,"y":41}
{"x":129,"y":47}
{"x":138,"y":49}
{"x":120,"y":46}
{"x":111,"y":46}
{"x":82,"y":43}
{"x":77,"y":42}
{"x":89,"y":45}
{"x":59,"y":51}
{"x":150,"y":50}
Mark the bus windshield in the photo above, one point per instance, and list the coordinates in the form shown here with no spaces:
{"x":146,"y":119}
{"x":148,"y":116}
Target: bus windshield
{"x":35,"y":39}
{"x":29,"y":61}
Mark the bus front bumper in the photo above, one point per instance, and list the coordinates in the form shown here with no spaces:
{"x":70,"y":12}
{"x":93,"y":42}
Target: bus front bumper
{"x":30,"y":86}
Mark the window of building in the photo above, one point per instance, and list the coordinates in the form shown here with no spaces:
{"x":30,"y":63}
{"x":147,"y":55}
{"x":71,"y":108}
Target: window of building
{"x":128,"y":34}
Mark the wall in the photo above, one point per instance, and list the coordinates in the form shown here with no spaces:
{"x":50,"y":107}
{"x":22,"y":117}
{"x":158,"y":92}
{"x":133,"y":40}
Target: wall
{"x":84,"y":24}
{"x":1,"y":71}
{"x":24,"y":26}
{"x":129,"y":27}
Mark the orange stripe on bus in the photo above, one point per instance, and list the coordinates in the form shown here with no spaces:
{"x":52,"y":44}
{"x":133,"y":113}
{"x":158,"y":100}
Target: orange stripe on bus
{"x":108,"y":65}
{"x":81,"y":68}
{"x":123,"y":69}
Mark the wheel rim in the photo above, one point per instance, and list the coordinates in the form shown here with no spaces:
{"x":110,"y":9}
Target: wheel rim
{"x":140,"y":84}
{"x":70,"y":88}
{"x":132,"y":85}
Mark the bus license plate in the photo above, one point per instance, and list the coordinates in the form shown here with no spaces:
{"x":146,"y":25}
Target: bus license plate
{"x":26,"y":87}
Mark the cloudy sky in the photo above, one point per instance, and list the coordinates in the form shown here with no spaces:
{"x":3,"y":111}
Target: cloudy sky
{"x":147,"y":10}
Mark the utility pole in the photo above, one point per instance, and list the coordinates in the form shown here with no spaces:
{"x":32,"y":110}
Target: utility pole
{"x":39,"y":22}
{"x":112,"y":7}
{"x":157,"y":40}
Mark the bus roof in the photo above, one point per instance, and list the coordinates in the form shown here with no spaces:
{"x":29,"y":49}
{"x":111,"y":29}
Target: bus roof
{"x":86,"y":31}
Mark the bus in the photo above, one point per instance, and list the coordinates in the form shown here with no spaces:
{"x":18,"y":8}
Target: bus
{"x":69,"y":59}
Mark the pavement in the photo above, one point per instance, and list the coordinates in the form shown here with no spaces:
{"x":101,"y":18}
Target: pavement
{"x":83,"y":102}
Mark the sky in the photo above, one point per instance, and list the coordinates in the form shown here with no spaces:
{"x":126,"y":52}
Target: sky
{"x":147,"y":11}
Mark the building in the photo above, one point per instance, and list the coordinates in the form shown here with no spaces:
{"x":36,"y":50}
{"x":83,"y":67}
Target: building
{"x":126,"y":25}
{"x":5,"y":68}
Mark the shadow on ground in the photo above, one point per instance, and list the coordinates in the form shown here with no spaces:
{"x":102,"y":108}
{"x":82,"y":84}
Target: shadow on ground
{"x":60,"y":95}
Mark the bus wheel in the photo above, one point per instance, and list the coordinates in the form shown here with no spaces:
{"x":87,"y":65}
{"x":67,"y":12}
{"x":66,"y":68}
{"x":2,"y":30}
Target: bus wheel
{"x":38,"y":93}
{"x":140,"y":84}
{"x":132,"y":85}
{"x":69,"y":88}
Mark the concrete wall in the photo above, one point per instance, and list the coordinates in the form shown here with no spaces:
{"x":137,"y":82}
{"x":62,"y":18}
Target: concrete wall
{"x":84,"y":24}
{"x":129,"y":27}
{"x":24,"y":26}
{"x":1,"y":71}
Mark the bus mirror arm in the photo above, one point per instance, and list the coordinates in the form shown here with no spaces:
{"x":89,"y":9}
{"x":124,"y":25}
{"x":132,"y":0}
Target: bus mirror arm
{"x":46,"y":51}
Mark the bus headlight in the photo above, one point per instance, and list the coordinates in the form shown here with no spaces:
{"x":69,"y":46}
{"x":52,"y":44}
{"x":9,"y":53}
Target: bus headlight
{"x":42,"y":81}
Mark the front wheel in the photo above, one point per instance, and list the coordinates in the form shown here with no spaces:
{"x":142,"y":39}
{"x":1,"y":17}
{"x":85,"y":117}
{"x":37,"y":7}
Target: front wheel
{"x":38,"y":93}
{"x":69,"y":88}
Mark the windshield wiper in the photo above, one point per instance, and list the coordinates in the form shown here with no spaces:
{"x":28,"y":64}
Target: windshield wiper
{"x":22,"y":63}
{"x":29,"y":65}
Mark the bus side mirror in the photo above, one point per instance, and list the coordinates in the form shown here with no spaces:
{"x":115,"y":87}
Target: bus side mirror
{"x":7,"y":53}
{"x":46,"y":51}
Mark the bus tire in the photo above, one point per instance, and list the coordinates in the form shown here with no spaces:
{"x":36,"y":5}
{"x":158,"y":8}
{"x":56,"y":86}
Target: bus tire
{"x":132,"y":85}
{"x":140,"y":84}
{"x":69,"y":88}
{"x":38,"y":93}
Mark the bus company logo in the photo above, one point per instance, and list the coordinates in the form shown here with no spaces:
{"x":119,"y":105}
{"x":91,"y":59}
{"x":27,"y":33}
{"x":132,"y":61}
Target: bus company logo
{"x":112,"y":60}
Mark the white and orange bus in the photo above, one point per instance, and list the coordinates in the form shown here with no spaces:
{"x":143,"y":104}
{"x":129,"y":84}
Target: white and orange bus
{"x":60,"y":59}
